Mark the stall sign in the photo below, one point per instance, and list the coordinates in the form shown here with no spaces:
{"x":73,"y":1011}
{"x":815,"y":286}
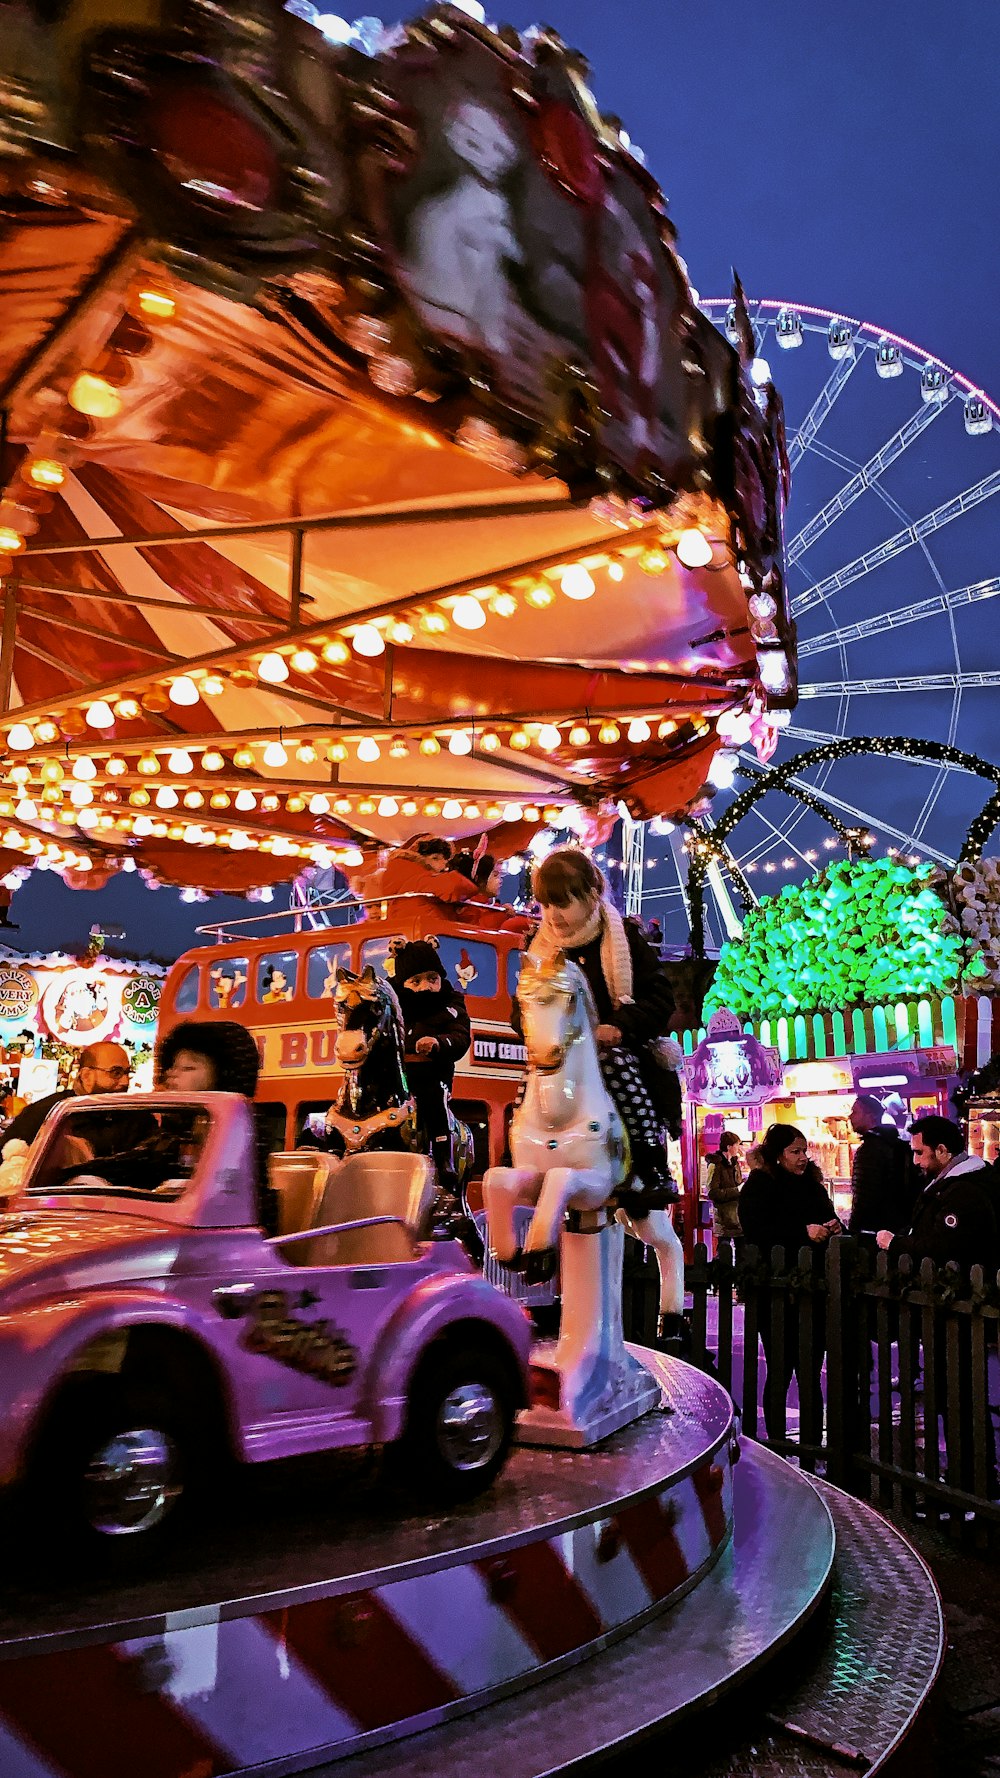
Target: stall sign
{"x":731,"y":1066}
{"x":140,"y":999}
{"x":903,"y":1068}
{"x":498,"y":1049}
{"x":820,"y":1077}
{"x":18,"y":993}
{"x":81,"y":1006}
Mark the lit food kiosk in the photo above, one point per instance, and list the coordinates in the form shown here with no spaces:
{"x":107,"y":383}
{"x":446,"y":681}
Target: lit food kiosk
{"x":729,"y":1077}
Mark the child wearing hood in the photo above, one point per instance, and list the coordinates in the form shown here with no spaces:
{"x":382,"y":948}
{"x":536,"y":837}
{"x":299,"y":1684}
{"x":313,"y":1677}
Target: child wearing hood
{"x":437,"y":1036}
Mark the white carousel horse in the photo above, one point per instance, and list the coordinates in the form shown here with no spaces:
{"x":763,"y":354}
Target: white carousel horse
{"x":570,"y":1154}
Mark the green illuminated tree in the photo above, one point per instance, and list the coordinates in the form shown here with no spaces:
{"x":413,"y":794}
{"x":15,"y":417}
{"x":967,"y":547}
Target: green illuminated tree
{"x":857,"y":934}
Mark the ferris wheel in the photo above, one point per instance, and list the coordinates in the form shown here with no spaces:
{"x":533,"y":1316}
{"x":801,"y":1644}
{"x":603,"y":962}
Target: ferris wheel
{"x":892,"y":561}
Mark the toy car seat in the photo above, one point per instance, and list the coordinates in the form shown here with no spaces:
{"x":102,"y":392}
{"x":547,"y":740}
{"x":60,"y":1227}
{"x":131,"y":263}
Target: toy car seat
{"x":402,"y":1185}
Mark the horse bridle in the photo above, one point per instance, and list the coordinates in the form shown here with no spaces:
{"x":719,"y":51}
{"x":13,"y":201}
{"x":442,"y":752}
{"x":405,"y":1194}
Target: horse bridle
{"x":573,"y":994}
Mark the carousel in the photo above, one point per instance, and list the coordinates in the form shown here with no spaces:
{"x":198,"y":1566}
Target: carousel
{"x":369,"y":468}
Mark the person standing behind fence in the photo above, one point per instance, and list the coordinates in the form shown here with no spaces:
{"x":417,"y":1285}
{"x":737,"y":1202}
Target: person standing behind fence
{"x":784,"y":1203}
{"x":883,"y":1181}
{"x":953,"y":1220}
{"x":725,"y":1182}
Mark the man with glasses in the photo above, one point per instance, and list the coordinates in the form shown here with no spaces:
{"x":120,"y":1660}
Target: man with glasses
{"x":102,"y":1068}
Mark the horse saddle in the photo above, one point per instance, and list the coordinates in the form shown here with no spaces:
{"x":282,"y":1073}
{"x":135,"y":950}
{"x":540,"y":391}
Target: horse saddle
{"x":357,"y":1133}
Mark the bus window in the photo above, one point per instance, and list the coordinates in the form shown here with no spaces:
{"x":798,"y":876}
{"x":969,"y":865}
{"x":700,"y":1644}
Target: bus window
{"x":322,"y":964}
{"x":276,"y":977}
{"x":470,"y":966}
{"x":186,"y":998}
{"x":476,"y":1113}
{"x":514,"y":961}
{"x":310,"y":1122}
{"x":227,"y":984}
{"x":375,"y":951}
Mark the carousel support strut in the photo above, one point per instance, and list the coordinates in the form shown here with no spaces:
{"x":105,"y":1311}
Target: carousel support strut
{"x":295,"y":578}
{"x":390,"y":662}
{"x":7,"y":644}
{"x":32,"y":367}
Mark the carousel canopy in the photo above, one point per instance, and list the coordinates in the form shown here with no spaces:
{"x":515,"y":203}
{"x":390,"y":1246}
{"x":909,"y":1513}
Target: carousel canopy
{"x":368,"y":465}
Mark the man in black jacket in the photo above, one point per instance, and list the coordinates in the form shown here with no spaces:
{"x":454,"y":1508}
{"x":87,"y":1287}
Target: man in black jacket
{"x":102,"y":1068}
{"x":952,"y":1218}
{"x":883,"y":1181}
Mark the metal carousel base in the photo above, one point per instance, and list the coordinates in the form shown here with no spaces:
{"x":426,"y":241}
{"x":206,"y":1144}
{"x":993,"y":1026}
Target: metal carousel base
{"x":591,"y":1599}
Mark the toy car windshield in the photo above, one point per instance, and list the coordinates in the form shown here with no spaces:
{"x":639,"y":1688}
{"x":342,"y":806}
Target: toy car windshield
{"x":123,"y":1152}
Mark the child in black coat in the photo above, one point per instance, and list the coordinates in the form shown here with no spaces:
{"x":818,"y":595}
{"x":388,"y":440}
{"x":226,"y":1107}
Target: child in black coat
{"x":438,"y":1034}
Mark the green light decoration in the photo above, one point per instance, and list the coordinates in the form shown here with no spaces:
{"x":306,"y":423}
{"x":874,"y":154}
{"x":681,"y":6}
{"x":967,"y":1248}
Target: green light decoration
{"x":859,"y":933}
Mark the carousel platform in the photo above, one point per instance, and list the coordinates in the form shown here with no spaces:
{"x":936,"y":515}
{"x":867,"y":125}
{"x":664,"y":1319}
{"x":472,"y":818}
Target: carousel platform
{"x":320,"y":1623}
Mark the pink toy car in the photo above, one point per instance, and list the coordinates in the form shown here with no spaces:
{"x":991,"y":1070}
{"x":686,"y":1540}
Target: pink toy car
{"x":148,"y":1326}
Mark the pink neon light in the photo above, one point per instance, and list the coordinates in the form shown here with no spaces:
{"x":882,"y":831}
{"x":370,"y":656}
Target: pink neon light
{"x":722,"y":302}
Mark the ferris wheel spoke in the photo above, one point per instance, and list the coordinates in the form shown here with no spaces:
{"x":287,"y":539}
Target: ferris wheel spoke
{"x":874,"y":823}
{"x":817,"y":737}
{"x":952,"y":682}
{"x":803,"y":437}
{"x":895,"y":546}
{"x":866,"y":477}
{"x":881,"y":622}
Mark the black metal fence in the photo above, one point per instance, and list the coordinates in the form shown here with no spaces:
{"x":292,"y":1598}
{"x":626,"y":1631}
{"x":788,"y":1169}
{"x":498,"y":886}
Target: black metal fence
{"x":886,"y":1369}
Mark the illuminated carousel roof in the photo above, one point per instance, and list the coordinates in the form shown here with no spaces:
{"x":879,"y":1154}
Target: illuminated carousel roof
{"x":368,"y":465}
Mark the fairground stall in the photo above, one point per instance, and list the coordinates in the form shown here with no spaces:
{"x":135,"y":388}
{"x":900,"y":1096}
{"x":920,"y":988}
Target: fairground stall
{"x":911,"y":1056}
{"x":369,"y":468}
{"x":52,"y":1006}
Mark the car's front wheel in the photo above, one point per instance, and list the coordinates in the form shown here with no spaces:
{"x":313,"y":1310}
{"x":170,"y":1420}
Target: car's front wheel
{"x":114,"y":1469}
{"x":460,"y":1422}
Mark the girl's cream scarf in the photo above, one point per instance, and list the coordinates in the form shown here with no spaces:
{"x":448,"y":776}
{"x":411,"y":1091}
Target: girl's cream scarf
{"x":616,"y":958}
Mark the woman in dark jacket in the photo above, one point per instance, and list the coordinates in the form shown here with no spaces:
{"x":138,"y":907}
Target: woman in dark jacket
{"x":631,"y":995}
{"x":784,"y":1203}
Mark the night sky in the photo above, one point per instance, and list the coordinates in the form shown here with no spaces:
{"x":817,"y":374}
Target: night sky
{"x":843,"y":156}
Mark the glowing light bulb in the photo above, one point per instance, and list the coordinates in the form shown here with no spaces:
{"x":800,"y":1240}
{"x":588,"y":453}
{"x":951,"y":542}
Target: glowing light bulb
{"x":275,"y":755}
{"x":337,"y":753}
{"x":245,"y":801}
{"x":369,"y":750}
{"x":25,"y":810}
{"x":335,"y":653}
{"x":52,"y":772}
{"x":468,"y":613}
{"x":127,"y":709}
{"x":368,"y":641}
{"x":639,"y":729}
{"x":84,"y":768}
{"x":539,"y":595}
{"x":409,"y":807}
{"x":166,"y":797}
{"x":87,"y":818}
{"x":272,"y":669}
{"x":577,"y":582}
{"x":451,"y":810}
{"x":503,"y":604}
{"x":183,"y":691}
{"x":46,"y":732}
{"x":693,"y":548}
{"x":460,"y":742}
{"x":400,"y":631}
{"x":520,"y":739}
{"x":388,"y":806}
{"x":398,"y":748}
{"x":142,"y":827}
{"x":531,"y":813}
{"x":212,"y":761}
{"x":219,"y":799}
{"x":616,"y":571}
{"x":81,"y":795}
{"x":579,"y":736}
{"x":513,"y":812}
{"x":434,"y":623}
{"x":243,"y":759}
{"x":94,"y":396}
{"x":609,"y":733}
{"x":148,"y":765}
{"x":549,"y":737}
{"x":20,"y":738}
{"x":668,"y":727}
{"x":653,"y":561}
{"x":343,"y":805}
{"x":157,"y":304}
{"x":44,"y":472}
{"x":304,"y":661}
{"x":489,"y":742}
{"x":213,"y":686}
{"x":430,"y":745}
{"x":319,"y":805}
{"x":295,"y":804}
{"x":99,"y":715}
